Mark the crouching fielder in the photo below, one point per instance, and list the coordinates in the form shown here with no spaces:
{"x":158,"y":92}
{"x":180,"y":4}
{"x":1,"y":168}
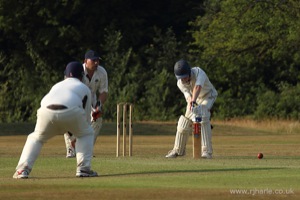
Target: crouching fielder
{"x":198,"y":90}
{"x":59,"y":114}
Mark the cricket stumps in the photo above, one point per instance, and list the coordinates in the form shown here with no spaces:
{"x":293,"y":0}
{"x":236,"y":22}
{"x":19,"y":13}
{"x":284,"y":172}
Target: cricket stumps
{"x":126,"y":109}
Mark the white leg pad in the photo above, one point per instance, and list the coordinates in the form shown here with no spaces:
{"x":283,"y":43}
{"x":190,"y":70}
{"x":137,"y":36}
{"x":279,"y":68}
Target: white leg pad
{"x":206,"y":142}
{"x":97,"y":125}
{"x":184,"y":129}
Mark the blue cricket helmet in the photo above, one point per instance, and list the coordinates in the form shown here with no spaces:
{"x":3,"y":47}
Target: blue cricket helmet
{"x":182,"y":69}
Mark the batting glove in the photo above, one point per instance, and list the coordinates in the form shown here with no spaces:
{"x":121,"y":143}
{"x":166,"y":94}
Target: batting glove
{"x":197,"y":110}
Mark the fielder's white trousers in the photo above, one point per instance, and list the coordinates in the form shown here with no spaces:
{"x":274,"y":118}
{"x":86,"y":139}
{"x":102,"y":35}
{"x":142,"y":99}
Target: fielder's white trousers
{"x":97,"y":125}
{"x":53,"y":122}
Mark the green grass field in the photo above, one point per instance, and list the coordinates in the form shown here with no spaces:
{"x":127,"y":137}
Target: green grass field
{"x":233,"y":173}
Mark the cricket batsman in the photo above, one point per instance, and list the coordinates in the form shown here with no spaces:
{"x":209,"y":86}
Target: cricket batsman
{"x":95,"y":77}
{"x":200,"y":96}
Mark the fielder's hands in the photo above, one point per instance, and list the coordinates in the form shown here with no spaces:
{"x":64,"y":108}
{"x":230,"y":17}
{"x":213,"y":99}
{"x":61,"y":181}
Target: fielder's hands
{"x":97,"y":112}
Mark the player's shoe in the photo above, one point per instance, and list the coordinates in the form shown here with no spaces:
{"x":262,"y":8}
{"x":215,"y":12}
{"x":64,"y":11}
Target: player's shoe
{"x":83,"y":173}
{"x":71,"y":153}
{"x":206,"y":155}
{"x":172,"y":154}
{"x":23,"y":174}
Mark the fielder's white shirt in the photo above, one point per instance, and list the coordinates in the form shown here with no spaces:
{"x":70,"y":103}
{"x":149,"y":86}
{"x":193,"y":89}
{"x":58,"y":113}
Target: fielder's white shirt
{"x":198,"y":77}
{"x":98,"y":84}
{"x":69,"y":92}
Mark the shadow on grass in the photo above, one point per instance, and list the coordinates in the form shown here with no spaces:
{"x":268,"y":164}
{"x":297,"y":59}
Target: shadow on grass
{"x":161,"y":172}
{"x":192,"y":171}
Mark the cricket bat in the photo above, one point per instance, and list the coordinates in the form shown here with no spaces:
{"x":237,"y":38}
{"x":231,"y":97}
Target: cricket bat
{"x":196,"y":140}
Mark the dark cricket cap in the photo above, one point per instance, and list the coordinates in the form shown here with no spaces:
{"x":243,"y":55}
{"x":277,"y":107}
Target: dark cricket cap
{"x":74,"y":69}
{"x":90,"y":54}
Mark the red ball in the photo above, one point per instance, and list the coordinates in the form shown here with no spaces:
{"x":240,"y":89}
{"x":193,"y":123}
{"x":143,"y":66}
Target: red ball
{"x":260,"y":156}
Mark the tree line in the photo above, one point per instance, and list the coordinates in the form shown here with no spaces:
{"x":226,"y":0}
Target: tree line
{"x":249,"y":49}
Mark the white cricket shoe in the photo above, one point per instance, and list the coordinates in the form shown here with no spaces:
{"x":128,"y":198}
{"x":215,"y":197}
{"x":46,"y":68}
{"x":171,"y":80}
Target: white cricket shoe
{"x":172,"y":154}
{"x":206,"y":155}
{"x":89,"y":173}
{"x":23,"y":174}
{"x":71,"y":153}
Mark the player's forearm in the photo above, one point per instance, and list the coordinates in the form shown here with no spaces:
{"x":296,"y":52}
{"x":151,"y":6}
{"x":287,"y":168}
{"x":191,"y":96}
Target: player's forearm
{"x":103,"y":97}
{"x":196,"y":92}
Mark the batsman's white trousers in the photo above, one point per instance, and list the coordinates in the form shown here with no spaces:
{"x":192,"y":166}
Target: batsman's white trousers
{"x":53,"y":122}
{"x":206,"y":136}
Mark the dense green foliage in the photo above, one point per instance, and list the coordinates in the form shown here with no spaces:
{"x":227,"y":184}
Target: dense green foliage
{"x":249,"y":49}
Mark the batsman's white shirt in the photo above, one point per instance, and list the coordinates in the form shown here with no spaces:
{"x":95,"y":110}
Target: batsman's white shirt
{"x":98,"y":83}
{"x":198,"y":77}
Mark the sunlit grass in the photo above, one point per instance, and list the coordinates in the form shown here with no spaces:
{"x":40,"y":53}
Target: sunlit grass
{"x":278,"y":126}
{"x":149,"y":175}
